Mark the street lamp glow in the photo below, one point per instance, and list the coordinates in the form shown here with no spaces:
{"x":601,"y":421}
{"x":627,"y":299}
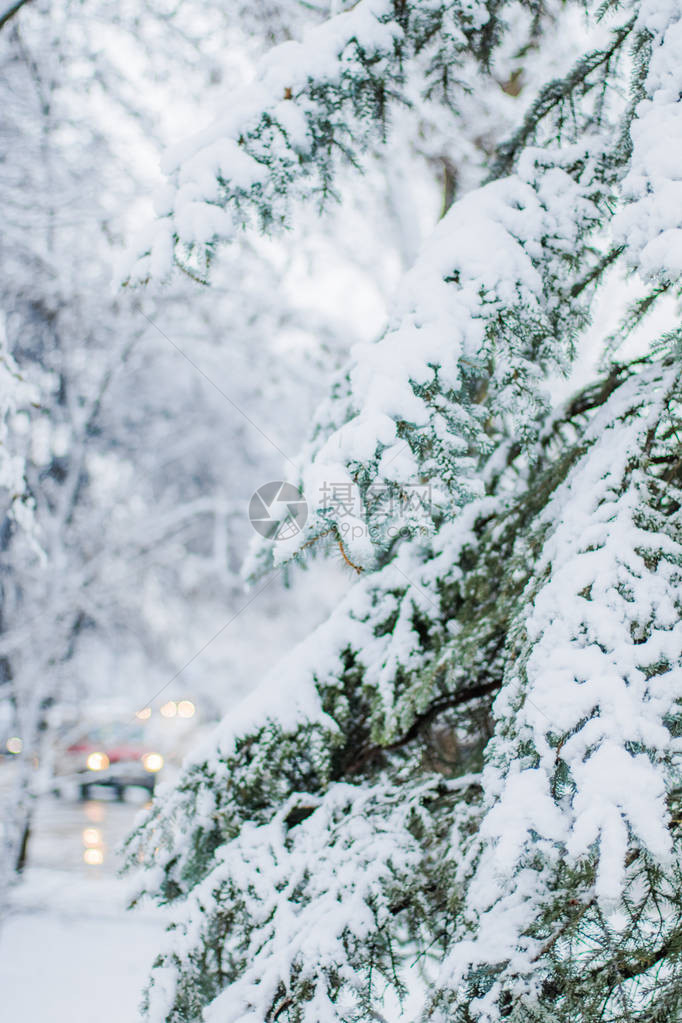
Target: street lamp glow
{"x":186,"y":709}
{"x":169,"y":710}
{"x":14,"y":744}
{"x":144,"y":714}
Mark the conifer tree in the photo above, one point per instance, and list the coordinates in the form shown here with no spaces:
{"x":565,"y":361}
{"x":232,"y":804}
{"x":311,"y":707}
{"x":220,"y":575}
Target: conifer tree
{"x":459,"y":799}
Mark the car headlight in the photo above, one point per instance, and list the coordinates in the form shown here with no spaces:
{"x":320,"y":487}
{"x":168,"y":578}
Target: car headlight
{"x":97,"y":761}
{"x":152,"y":762}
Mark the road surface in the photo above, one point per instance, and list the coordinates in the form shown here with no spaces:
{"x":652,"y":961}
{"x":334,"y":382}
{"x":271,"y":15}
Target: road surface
{"x":69,"y":950}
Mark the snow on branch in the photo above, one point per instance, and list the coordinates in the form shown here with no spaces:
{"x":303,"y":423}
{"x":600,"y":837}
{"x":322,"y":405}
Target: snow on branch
{"x":311,"y":102}
{"x":485,"y":313}
{"x":16,"y":394}
{"x":283,"y":127}
{"x":582,"y":761}
{"x":335,"y":864}
{"x":650,"y":225}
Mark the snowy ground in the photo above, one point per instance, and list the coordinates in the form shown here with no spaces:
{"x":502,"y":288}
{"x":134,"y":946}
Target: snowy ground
{"x":69,"y":951}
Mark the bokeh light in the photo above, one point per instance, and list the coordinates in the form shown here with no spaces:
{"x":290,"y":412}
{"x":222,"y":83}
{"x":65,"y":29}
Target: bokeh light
{"x":97,"y":761}
{"x":152,"y":762}
{"x":92,"y":836}
{"x":93,"y":857}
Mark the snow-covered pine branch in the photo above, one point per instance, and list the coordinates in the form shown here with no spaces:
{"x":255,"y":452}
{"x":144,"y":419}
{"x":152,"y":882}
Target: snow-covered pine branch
{"x":485,"y":317}
{"x":314,"y":103}
{"x":583,"y":763}
{"x":502,"y":268}
{"x":650,"y":224}
{"x":390,"y":698}
{"x":459,"y":799}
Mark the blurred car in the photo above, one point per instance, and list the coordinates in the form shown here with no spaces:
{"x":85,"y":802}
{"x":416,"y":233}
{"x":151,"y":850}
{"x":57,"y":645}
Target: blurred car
{"x":115,"y":755}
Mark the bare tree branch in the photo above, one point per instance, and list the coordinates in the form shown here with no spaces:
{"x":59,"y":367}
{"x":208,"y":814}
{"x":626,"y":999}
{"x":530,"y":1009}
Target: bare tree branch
{"x":11,"y":11}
